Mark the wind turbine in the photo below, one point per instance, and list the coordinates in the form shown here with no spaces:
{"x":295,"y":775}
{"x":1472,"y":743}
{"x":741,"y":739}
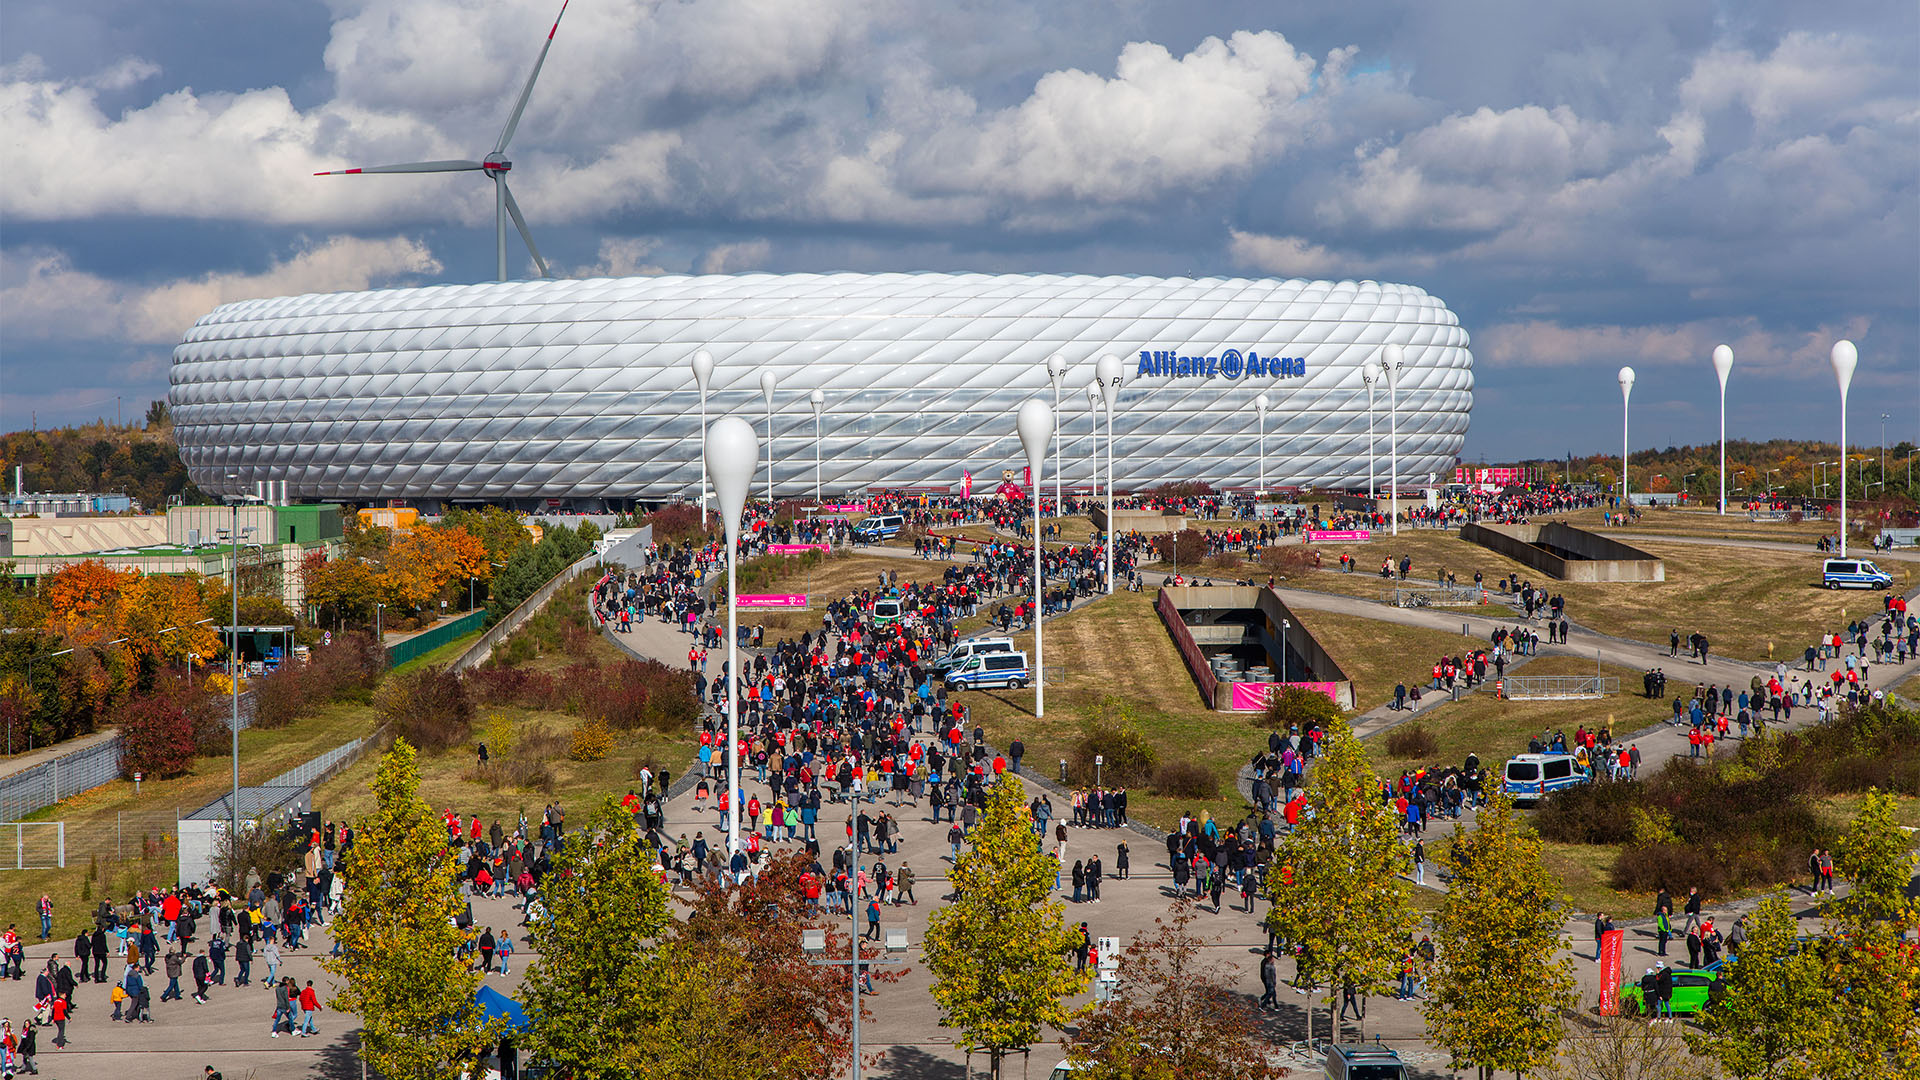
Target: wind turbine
{"x":495,"y":165}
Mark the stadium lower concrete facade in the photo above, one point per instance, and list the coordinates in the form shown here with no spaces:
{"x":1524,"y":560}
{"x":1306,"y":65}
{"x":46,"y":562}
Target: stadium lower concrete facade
{"x":581,"y":391}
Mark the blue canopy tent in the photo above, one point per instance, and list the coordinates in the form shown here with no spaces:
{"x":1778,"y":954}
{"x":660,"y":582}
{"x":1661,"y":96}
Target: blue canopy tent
{"x":498,"y":1005}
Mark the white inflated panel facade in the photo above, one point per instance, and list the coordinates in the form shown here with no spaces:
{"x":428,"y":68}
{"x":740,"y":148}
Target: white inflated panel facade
{"x":582,"y":389}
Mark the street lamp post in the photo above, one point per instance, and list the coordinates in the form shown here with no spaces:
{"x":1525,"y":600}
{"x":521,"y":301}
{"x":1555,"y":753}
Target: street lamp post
{"x":732,"y":451}
{"x":1370,"y":374}
{"x":1723,"y":366}
{"x":818,"y":400}
{"x":1770,"y":473}
{"x":1626,"y":392}
{"x":1260,"y":408}
{"x":1093,"y":436}
{"x":1057,"y":372}
{"x":1884,"y":417}
{"x":1286,"y":627}
{"x":1844,"y":358}
{"x":1035,"y":424}
{"x":703,"y":374}
{"x":1393,"y":360}
{"x":767,"y":383}
{"x":1686,"y":484}
{"x":1107,"y":371}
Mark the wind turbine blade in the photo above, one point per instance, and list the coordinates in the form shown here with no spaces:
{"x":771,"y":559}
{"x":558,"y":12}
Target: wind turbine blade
{"x":513,"y":120}
{"x":410,"y":167}
{"x":513,"y":209}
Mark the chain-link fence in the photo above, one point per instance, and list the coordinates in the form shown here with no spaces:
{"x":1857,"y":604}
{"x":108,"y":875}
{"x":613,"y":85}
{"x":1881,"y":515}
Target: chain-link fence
{"x":39,"y":787}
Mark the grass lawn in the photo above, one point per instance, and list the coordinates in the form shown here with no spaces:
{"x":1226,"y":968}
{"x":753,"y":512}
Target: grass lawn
{"x":1117,"y":647}
{"x":577,"y":785}
{"x":1752,"y":604}
{"x":1584,"y":871}
{"x":1706,"y":524}
{"x":1482,"y":724}
{"x":828,"y":580}
{"x":112,"y":818}
{"x":1376,"y":655}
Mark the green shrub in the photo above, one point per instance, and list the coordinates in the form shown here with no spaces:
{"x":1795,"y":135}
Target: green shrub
{"x":1296,"y":707}
{"x":1113,"y":736}
{"x":1411,"y":742}
{"x":429,"y":706}
{"x":1185,"y":780}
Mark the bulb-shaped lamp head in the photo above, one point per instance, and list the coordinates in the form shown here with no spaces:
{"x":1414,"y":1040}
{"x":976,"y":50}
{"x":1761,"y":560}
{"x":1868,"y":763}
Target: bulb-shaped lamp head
{"x":702,"y":368}
{"x":767,"y":383}
{"x":1845,"y":358}
{"x":1392,"y":358}
{"x":818,"y":399}
{"x":1035,"y":424}
{"x":1107,"y":371}
{"x":1056,"y":367}
{"x":1370,"y":371}
{"x":733,"y":452}
{"x":1261,"y":403}
{"x":1626,"y":383}
{"x":1723,"y":364}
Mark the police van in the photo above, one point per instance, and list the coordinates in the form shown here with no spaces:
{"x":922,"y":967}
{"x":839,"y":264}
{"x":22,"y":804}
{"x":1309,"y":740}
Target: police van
{"x":1853,"y":574}
{"x":1532,"y":777}
{"x":1363,"y":1061}
{"x":887,"y":610}
{"x":879,"y":527}
{"x":989,"y":670}
{"x":963,"y":651}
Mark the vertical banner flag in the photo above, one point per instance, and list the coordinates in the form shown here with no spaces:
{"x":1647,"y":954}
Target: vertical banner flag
{"x":1612,"y":943}
{"x":966,"y":484}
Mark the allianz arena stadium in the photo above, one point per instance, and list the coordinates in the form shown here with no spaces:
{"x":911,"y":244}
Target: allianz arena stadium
{"x":580,"y":392}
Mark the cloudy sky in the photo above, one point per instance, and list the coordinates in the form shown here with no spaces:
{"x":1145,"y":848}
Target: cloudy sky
{"x":1585,"y":184}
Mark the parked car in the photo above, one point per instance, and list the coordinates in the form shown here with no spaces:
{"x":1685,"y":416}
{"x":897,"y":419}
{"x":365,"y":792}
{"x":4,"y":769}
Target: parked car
{"x":1531,"y":777}
{"x":1853,"y":574}
{"x":1692,"y":990}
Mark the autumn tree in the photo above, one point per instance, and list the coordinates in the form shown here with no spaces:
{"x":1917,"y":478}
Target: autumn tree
{"x":1001,"y":952}
{"x":1499,"y":984}
{"x":161,"y":617}
{"x":346,"y":584}
{"x":1872,"y":969}
{"x":1173,"y":1015}
{"x":403,"y":978}
{"x":1346,"y":905}
{"x":1773,"y":1006}
{"x":83,"y":598}
{"x":591,"y":995}
{"x":739,"y":997}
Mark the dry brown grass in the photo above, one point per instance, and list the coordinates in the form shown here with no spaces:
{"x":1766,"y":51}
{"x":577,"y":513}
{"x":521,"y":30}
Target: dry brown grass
{"x":1752,"y":604}
{"x":1707,"y":524}
{"x":1482,"y":724}
{"x":1376,"y":654}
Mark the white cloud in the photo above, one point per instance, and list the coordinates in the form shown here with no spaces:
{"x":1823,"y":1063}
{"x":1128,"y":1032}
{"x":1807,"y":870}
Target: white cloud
{"x":1757,"y":350}
{"x":1295,"y":256}
{"x":1823,"y":75}
{"x":47,"y":298}
{"x":733,"y":258}
{"x":1162,"y":122}
{"x":623,"y":256}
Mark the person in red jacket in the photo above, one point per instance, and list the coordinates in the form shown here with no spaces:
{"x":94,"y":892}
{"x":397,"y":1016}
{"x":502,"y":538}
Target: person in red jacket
{"x":309,"y":1010}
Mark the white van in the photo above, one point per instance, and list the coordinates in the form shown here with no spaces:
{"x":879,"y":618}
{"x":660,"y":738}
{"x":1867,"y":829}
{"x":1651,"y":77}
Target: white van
{"x":879,"y":527}
{"x":963,"y":651}
{"x":1853,"y":574}
{"x":1531,"y":777}
{"x":990,"y":670}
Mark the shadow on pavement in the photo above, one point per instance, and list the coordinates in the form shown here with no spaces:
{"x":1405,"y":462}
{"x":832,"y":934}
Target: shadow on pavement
{"x":912,"y":1063}
{"x":340,"y":1057}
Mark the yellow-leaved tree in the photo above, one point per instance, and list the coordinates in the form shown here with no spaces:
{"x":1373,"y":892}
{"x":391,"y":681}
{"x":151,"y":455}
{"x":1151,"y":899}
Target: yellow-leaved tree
{"x":1001,"y":953}
{"x":1872,"y":965}
{"x":1346,"y":906}
{"x":1499,"y":982}
{"x":403,"y":977}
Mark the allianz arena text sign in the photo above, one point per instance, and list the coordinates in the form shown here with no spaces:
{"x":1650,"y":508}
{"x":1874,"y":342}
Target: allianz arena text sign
{"x":1230,"y":364}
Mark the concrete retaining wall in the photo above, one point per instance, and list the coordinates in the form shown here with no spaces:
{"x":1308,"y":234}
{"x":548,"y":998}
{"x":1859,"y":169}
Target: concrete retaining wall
{"x":1173,"y":599}
{"x":1144,"y":522}
{"x":1602,"y":558}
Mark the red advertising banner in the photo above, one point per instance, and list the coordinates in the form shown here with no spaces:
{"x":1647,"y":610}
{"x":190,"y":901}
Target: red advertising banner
{"x":1612,"y":944}
{"x":1480,"y":474}
{"x":772,"y":600}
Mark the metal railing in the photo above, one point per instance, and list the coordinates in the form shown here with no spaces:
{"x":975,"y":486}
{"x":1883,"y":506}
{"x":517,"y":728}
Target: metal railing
{"x":1437,"y":595}
{"x":1555,"y":687}
{"x":322,"y":768}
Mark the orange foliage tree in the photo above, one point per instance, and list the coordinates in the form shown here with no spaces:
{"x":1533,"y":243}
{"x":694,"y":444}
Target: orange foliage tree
{"x":84,"y":596}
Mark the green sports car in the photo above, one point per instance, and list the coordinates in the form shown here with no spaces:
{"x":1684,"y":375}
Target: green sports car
{"x":1691,"y":992}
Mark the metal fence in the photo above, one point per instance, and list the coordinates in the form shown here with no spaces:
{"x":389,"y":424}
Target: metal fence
{"x":322,"y":768}
{"x":1556,"y":687}
{"x":1437,"y":595}
{"x":31,"y":790}
{"x":36,"y":845}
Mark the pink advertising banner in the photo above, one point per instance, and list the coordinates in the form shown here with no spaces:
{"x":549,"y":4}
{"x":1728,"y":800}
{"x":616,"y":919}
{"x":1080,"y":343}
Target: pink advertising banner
{"x":795,"y":549}
{"x":1252,"y":696}
{"x":773,"y":600}
{"x":1338,"y":536}
{"x":843,"y":508}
